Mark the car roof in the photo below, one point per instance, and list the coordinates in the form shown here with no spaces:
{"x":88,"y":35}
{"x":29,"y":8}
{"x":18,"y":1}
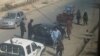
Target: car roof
{"x":19,"y":41}
{"x":45,"y":25}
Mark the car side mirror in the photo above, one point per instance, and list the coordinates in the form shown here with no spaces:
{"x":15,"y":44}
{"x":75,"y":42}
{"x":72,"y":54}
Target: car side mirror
{"x":18,"y":17}
{"x":38,"y":47}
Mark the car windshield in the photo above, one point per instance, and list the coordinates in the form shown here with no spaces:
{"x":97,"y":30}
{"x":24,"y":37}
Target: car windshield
{"x":10,"y":16}
{"x":11,"y":50}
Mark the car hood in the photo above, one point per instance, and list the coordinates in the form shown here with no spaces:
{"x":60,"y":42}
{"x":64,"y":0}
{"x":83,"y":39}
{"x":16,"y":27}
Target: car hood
{"x":8,"y":20}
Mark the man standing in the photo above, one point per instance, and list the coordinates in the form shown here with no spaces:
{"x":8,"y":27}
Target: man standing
{"x":78,"y":16}
{"x":22,"y":28}
{"x":85,"y":18}
{"x":60,"y":48}
{"x":56,"y":35}
{"x":68,"y":24}
{"x":30,"y":29}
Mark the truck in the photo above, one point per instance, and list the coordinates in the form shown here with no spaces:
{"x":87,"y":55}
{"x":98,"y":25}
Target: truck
{"x":21,"y":47}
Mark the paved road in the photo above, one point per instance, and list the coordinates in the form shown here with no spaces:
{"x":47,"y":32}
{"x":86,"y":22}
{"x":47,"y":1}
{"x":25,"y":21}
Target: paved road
{"x":51,"y":11}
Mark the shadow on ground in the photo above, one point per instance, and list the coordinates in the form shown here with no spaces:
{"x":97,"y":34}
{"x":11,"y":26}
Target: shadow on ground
{"x":17,"y":36}
{"x":78,"y":24}
{"x":89,"y":35}
{"x":51,"y":53}
{"x":7,"y":28}
{"x":91,"y":53}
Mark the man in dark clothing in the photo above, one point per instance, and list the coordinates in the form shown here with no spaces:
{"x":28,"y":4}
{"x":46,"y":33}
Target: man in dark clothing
{"x":78,"y":16}
{"x":69,"y":25}
{"x":85,"y":18}
{"x":69,"y":28}
{"x":60,"y":48}
{"x":30,"y":29}
{"x":22,"y":28}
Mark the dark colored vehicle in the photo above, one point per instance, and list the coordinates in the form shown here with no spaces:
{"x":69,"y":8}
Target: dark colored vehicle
{"x":42,"y":33}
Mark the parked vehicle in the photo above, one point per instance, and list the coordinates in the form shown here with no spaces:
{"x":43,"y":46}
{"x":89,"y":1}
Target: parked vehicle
{"x":70,"y":9}
{"x":12,"y":19}
{"x":42,"y":33}
{"x":21,"y":47}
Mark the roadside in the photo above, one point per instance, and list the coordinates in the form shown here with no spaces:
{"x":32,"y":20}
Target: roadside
{"x":74,"y":46}
{"x":27,"y":7}
{"x":91,"y":47}
{"x":50,"y":11}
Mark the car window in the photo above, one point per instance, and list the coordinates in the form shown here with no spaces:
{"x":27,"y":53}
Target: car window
{"x":34,"y":46}
{"x":10,"y":16}
{"x":28,"y":49}
{"x":18,"y":14}
{"x":11,"y":50}
{"x":21,"y":13}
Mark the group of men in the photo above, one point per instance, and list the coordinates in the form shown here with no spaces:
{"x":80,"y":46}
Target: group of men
{"x":67,"y":19}
{"x":85,"y":17}
{"x":56,"y":34}
{"x":23,"y":28}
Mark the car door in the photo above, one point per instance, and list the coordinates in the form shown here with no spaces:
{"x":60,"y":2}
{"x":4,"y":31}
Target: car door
{"x":28,"y":49}
{"x":46,"y":35}
{"x":34,"y":49}
{"x":38,"y":30}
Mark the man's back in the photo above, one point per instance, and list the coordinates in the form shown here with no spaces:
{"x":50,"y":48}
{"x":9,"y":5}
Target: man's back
{"x":21,"y":24}
{"x":30,"y":26}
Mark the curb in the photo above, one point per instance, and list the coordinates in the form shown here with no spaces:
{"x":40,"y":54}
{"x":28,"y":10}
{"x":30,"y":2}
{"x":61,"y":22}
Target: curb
{"x":82,"y":46}
{"x":79,"y":48}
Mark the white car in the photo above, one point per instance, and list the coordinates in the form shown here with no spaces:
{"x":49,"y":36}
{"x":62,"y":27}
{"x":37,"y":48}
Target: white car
{"x":21,"y":47}
{"x":12,"y":19}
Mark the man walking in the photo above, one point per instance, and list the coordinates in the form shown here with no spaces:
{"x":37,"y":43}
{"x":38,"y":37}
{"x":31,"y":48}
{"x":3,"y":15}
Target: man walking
{"x":69,"y":25}
{"x":60,"y":48}
{"x":22,"y":28}
{"x":30,"y":29}
{"x":78,"y":16}
{"x":56,"y":35}
{"x":85,"y":18}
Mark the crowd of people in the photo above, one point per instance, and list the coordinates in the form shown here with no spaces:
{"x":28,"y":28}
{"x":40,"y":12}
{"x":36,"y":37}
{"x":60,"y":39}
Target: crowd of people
{"x":67,"y":18}
{"x":68,"y":27}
